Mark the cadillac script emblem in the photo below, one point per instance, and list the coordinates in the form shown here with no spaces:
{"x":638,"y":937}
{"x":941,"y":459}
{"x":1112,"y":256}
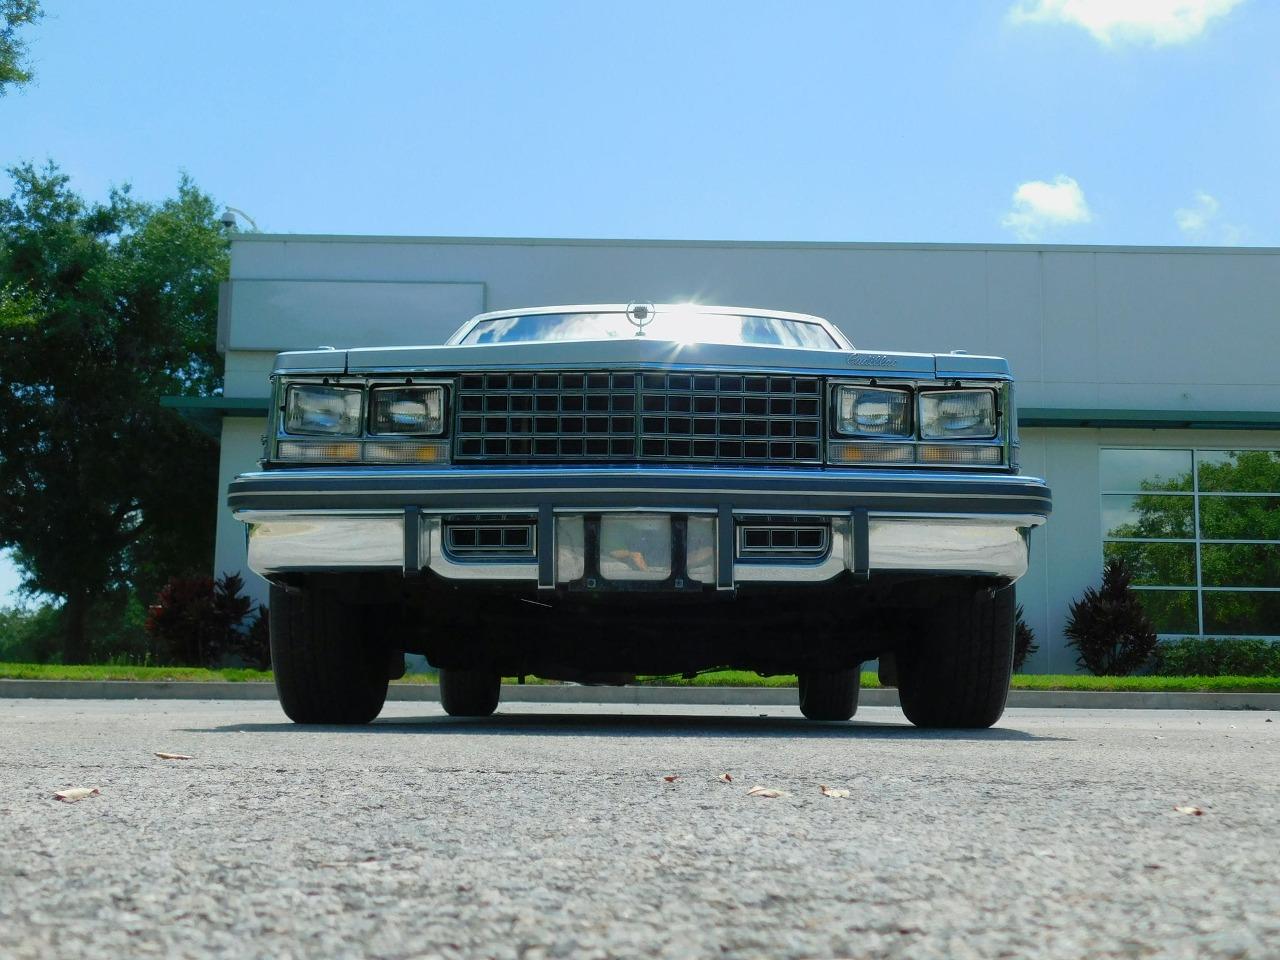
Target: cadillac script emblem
{"x":873,"y":360}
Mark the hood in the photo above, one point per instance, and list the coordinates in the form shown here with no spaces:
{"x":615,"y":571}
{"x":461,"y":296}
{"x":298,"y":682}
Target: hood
{"x":637,"y":353}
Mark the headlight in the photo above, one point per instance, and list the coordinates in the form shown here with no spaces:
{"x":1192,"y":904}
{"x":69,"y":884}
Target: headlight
{"x":873,"y":412}
{"x":313,"y":408}
{"x":957,"y":414}
{"x":411,"y":410}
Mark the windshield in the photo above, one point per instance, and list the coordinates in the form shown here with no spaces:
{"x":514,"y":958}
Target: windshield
{"x":678,"y":326}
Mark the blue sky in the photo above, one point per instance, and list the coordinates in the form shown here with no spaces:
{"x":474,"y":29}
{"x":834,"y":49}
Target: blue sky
{"x":842,"y":121}
{"x":1073,"y":121}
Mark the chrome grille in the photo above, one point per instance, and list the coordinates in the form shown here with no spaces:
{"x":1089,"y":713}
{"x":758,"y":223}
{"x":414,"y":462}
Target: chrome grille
{"x":709,"y":417}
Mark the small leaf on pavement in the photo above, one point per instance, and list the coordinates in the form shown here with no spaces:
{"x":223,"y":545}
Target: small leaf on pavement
{"x":766,"y":792}
{"x":832,"y":792}
{"x":671,"y":779}
{"x":1190,"y":811}
{"x":173,"y":756}
{"x":76,"y":794}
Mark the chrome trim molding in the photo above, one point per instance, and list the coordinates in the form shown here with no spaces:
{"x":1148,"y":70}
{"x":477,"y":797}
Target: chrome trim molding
{"x":986,"y":545}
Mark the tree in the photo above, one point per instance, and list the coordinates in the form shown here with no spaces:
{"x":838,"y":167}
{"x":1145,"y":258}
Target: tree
{"x":104,"y":309}
{"x":1109,"y":627}
{"x":14,"y":14}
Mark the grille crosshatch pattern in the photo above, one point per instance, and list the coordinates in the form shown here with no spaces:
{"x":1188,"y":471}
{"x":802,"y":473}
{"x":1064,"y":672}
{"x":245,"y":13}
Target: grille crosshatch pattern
{"x":716,"y":417}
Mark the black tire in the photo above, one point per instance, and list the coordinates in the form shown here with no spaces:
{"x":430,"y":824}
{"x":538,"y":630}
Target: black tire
{"x":469,"y":693}
{"x":957,"y":673}
{"x":830,"y":696}
{"x":329,"y":663}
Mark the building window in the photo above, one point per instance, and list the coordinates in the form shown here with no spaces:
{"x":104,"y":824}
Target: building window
{"x":1201,"y":531}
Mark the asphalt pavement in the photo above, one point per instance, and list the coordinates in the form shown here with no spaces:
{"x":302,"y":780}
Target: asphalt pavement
{"x":553,"y":830}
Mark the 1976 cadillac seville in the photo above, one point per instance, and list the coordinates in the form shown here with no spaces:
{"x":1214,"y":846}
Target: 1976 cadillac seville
{"x":592,"y":493}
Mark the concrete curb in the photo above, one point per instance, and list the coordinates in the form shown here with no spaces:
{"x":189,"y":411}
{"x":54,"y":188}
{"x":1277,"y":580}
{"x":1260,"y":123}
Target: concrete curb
{"x":675,"y":696}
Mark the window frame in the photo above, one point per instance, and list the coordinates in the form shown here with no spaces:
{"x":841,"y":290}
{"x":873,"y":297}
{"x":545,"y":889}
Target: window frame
{"x":1198,"y":540}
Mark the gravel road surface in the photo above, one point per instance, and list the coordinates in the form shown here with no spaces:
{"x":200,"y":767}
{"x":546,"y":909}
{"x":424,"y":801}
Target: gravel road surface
{"x":550,"y":831}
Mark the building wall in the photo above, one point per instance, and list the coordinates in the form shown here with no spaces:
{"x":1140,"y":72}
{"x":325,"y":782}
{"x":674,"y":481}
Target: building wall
{"x":1092,"y":328}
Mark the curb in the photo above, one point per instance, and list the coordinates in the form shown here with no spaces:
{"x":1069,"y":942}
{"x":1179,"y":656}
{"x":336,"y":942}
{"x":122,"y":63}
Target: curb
{"x":675,"y":696}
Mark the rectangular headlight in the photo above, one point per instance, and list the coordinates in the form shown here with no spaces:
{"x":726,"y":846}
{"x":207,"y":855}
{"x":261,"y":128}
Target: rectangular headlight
{"x":873,"y":411}
{"x":407,"y":410}
{"x":957,"y":414}
{"x":312,"y":408}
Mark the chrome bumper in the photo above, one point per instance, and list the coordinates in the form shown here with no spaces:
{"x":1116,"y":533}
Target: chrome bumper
{"x":880,"y":522}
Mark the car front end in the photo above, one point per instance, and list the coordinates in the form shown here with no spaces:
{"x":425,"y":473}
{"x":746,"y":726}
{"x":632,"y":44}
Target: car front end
{"x":517,"y":485}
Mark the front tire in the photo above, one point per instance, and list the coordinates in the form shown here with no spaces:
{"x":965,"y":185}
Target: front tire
{"x":330,"y":665}
{"x":469,"y":693}
{"x":830,"y":696}
{"x":957,"y":674}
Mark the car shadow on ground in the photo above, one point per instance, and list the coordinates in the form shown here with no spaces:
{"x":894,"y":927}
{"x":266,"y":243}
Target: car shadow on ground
{"x":626,"y":726}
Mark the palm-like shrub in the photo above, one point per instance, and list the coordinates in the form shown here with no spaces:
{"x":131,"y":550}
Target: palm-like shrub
{"x":1108,"y":626}
{"x":199,"y":621}
{"x":1024,"y":641}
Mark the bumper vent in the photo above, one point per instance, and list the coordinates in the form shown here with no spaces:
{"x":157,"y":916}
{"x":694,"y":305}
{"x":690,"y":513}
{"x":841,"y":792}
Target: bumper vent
{"x":783,"y":538}
{"x":636,"y":416}
{"x":490,"y":537}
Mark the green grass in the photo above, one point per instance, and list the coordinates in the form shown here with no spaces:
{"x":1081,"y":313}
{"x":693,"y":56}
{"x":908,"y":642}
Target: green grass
{"x":1148,"y":684}
{"x":1027,"y":681}
{"x":719,"y":678}
{"x":54,"y":671}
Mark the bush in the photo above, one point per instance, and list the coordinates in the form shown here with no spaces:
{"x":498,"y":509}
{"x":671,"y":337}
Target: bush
{"x":199,"y":621}
{"x":1218,"y":657}
{"x":30,"y":636}
{"x":1109,"y":627}
{"x":1024,"y":641}
{"x":118,"y":633}
{"x":37,"y":635}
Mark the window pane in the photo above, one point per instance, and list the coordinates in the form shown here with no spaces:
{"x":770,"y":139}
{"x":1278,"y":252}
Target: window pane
{"x":1171,"y":611}
{"x":1146,"y":469}
{"x":1240,"y":518}
{"x":1240,"y":565}
{"x":1240,"y":471}
{"x":1158,"y":564}
{"x":1248,"y":613}
{"x":1150,"y":515}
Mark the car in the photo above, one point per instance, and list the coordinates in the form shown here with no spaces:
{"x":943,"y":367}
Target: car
{"x":597,"y":493}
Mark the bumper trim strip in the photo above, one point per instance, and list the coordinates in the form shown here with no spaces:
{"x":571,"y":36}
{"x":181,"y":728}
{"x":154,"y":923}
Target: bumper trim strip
{"x":724,"y":547}
{"x":860,"y":524}
{"x":412,"y":541}
{"x":546,"y":547}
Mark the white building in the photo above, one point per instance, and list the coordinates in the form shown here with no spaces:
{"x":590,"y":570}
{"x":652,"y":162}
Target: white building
{"x":1141,"y":371}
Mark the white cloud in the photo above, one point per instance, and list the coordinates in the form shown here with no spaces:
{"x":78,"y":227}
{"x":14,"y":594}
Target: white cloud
{"x":1038,"y":206}
{"x":1157,"y":22}
{"x":1201,"y":222}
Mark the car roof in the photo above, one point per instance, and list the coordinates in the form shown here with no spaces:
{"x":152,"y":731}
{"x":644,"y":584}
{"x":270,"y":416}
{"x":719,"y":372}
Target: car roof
{"x":460,"y":334}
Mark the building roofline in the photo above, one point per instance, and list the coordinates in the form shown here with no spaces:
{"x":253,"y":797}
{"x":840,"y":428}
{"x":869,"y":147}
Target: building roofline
{"x":746,"y":244}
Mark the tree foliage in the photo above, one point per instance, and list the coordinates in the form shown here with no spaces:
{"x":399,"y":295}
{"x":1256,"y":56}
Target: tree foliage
{"x":104,"y":309}
{"x":14,"y":15}
{"x":1109,"y":627}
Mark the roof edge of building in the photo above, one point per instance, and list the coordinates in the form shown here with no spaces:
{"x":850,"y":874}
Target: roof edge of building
{"x":746,"y":244}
